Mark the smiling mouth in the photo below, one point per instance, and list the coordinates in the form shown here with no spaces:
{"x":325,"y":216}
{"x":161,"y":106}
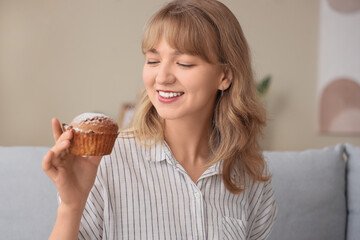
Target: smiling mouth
{"x":170,"y":94}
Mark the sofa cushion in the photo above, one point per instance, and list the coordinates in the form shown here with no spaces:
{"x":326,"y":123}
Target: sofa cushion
{"x":28,"y":199}
{"x":309,"y":188}
{"x":353,"y":191}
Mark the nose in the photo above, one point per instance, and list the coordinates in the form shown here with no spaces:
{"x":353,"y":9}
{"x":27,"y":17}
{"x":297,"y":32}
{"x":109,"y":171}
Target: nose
{"x":165,"y":75}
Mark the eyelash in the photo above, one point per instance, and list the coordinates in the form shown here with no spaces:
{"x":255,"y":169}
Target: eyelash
{"x":180,"y":64}
{"x":186,"y":65}
{"x":151,"y":62}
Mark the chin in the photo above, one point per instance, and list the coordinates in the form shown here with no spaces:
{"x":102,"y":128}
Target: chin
{"x":167,"y":116}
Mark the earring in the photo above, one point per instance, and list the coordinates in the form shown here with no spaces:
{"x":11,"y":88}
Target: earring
{"x":222,"y":92}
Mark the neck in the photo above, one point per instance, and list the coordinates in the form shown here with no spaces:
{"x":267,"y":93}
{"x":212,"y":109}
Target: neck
{"x":188,"y":140}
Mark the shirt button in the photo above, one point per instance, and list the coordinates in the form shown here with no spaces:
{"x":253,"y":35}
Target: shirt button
{"x":197,"y":195}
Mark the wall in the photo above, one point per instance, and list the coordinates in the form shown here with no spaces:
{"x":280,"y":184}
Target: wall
{"x":64,"y":57}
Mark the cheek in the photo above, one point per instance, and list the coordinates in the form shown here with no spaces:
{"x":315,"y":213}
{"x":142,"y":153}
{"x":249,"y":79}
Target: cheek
{"x":147,"y":77}
{"x":148,"y":83}
{"x":205,"y":85}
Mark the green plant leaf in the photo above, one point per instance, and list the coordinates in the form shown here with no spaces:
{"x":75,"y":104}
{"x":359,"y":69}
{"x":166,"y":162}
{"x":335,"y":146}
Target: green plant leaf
{"x":263,"y":85}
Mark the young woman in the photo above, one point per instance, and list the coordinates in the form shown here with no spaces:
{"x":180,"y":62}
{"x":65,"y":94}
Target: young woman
{"x":191,"y":166}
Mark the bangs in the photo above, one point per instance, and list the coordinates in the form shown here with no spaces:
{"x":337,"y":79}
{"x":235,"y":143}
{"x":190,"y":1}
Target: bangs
{"x":185,"y":30}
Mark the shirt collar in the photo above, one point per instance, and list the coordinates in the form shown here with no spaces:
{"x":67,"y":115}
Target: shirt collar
{"x":155,"y":153}
{"x":162,"y":152}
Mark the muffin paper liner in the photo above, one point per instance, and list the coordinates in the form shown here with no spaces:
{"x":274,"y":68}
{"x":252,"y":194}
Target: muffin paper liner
{"x":91,"y":143}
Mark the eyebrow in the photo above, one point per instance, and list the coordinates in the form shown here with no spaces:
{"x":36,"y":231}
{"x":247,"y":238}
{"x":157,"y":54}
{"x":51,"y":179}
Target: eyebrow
{"x":174,"y":53}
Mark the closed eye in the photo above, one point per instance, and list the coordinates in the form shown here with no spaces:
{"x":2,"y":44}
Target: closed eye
{"x":152,"y":62}
{"x":185,"y":65}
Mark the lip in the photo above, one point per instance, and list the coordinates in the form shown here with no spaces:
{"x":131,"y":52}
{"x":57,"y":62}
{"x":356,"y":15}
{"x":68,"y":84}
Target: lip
{"x":168,"y":100}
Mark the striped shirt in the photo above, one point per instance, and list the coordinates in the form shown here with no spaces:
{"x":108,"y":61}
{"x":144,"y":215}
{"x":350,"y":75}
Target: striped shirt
{"x":144,"y":193}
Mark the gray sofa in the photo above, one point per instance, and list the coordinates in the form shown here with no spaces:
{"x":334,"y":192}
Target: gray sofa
{"x":317,"y":191}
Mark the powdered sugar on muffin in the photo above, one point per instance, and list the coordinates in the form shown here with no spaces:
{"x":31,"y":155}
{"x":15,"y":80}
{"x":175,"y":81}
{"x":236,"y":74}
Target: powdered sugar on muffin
{"x":94,"y":122}
{"x":87,"y":117}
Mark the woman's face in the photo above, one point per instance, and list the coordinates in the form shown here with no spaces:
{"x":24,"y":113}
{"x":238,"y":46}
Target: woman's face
{"x":180,"y":85}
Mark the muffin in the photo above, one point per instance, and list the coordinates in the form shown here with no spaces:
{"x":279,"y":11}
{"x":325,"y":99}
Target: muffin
{"x":94,"y":134}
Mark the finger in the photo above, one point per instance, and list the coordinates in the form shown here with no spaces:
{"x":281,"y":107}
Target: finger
{"x":56,"y":128}
{"x":47,"y":164}
{"x":60,"y":149}
{"x":67,"y":135}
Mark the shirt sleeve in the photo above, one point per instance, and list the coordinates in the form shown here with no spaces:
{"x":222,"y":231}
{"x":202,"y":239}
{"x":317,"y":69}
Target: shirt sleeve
{"x":262,"y":223}
{"x":92,"y":221}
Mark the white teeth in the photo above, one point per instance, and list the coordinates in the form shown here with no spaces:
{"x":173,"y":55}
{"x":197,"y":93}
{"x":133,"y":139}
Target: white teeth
{"x":169,"y":94}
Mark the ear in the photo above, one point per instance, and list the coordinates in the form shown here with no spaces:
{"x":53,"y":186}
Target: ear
{"x":226,"y":79}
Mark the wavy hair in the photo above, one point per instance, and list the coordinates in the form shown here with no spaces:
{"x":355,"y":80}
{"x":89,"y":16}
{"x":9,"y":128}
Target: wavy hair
{"x":208,"y":28}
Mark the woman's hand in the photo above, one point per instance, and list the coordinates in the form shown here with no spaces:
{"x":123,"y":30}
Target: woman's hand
{"x":73,"y":176}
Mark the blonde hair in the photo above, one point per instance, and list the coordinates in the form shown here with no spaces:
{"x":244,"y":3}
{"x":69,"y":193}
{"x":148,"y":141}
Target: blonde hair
{"x":208,"y":28}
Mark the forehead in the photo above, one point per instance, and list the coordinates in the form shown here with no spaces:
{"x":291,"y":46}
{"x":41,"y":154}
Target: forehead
{"x":182,"y":33}
{"x":163,"y":46}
